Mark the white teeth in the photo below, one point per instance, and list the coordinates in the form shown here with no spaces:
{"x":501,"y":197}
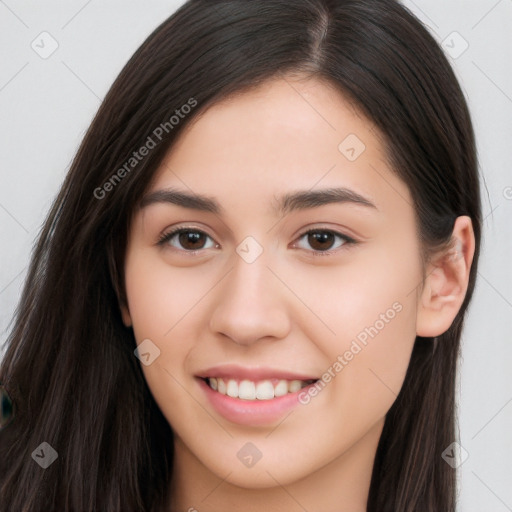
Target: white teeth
{"x":232,"y":389}
{"x":294,"y":385}
{"x":265,"y":390}
{"x":221,"y":386}
{"x":281,"y":388}
{"x":249,"y":390}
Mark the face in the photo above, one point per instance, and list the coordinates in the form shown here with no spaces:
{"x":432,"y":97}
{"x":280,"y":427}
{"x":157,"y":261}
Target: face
{"x":277,"y":316}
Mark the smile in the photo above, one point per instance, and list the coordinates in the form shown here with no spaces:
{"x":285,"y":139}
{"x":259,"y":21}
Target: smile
{"x":256,"y":390}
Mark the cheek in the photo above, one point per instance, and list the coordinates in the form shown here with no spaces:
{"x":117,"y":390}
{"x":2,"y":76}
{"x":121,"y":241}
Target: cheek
{"x":371,"y":297}
{"x":370,"y":310}
{"x":159,"y":301}
{"x":159,"y":297}
{"x":380,"y":352}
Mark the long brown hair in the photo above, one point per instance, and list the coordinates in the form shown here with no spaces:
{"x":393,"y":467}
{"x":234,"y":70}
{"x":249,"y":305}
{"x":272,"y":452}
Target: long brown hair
{"x":69,"y":366}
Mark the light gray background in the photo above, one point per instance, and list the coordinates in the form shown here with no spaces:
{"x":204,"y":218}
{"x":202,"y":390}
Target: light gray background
{"x":47,"y":104}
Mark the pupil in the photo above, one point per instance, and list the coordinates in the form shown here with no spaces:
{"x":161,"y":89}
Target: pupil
{"x":321,"y":237}
{"x":189,"y":237}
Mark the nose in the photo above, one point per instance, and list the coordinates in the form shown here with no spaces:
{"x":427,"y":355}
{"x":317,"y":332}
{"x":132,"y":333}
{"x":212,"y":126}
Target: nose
{"x":251,"y":304}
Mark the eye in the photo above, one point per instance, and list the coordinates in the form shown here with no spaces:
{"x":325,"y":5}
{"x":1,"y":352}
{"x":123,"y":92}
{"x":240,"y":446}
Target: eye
{"x":322,"y":241}
{"x":191,"y":240}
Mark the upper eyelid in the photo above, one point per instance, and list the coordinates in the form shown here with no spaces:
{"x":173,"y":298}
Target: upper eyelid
{"x":175,"y":230}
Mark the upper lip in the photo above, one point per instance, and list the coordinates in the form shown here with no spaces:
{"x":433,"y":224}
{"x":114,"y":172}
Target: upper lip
{"x":233,"y":371}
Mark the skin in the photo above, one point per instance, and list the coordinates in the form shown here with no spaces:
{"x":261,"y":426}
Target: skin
{"x":288,"y":309}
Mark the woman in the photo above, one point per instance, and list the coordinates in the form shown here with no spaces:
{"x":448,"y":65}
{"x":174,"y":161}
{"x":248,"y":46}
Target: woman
{"x":251,"y":288}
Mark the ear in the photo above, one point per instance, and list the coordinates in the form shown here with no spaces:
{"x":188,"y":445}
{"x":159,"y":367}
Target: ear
{"x":125,"y":313}
{"x":446,"y":282}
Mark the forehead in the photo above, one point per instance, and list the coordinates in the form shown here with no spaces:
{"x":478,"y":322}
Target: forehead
{"x":286,"y":134}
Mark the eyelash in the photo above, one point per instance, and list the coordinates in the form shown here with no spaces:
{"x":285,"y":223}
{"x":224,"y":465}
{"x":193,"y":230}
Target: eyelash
{"x":348,"y":241}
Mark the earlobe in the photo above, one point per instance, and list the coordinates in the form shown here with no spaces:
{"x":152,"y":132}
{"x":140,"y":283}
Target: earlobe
{"x":446,"y":282}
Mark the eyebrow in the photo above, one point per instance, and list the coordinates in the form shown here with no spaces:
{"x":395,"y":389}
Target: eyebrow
{"x":299,"y":200}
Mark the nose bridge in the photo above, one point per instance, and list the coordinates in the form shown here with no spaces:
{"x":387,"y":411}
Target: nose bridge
{"x":251,"y":303}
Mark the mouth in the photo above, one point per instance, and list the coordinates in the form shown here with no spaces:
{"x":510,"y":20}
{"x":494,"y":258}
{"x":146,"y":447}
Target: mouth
{"x":252,"y":390}
{"x":253,"y":395}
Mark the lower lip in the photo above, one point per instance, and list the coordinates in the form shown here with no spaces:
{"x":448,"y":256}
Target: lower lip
{"x":251,"y":412}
